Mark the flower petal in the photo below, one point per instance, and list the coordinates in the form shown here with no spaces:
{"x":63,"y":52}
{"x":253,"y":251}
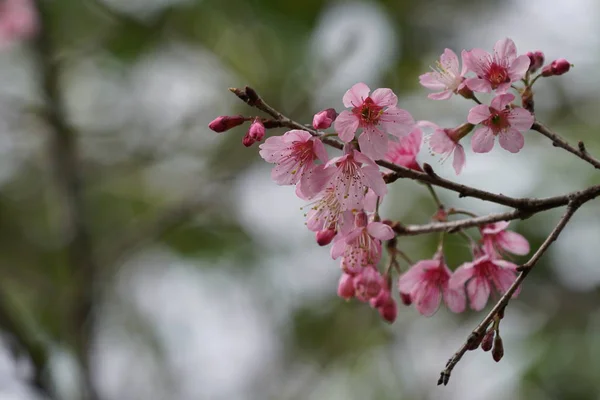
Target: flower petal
{"x":355,"y":96}
{"x":373,"y":143}
{"x":518,"y":68}
{"x":430,"y":80}
{"x":374,"y":180}
{"x":483,"y":140}
{"x":459,"y":159}
{"x":346,"y":125}
{"x":511,"y":140}
{"x":455,"y":298}
{"x":478,"y":114}
{"x":501,"y":101}
{"x":449,"y":61}
{"x":427,"y":300}
{"x":513,"y":243}
{"x":412,"y":277}
{"x":461,"y":275}
{"x":478,"y":290}
{"x":520,"y":119}
{"x":397,"y":122}
{"x":384,"y":97}
{"x":505,"y":49}
{"x":380,"y":231}
{"x":444,"y":95}
{"x":319,"y":149}
{"x":476,"y":61}
{"x":440,"y":143}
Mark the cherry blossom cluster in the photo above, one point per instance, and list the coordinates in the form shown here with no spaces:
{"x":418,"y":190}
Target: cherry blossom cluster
{"x":344,"y":193}
{"x":18,"y":21}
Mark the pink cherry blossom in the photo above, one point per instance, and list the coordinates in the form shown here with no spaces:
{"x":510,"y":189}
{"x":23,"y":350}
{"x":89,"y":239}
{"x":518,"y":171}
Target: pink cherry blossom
{"x":324,"y":119}
{"x":376,"y":114}
{"x":446,"y":76}
{"x":346,"y":287}
{"x":326,"y":213}
{"x":497,"y":239}
{"x":405,"y":152}
{"x":361,"y":246}
{"x":352,"y":175}
{"x":499,"y":119}
{"x":386,"y":305}
{"x":368,"y":283}
{"x":18,"y":20}
{"x":498,"y":70}
{"x":426,"y":282}
{"x":480,"y":275}
{"x":446,"y":142}
{"x":294,"y":155}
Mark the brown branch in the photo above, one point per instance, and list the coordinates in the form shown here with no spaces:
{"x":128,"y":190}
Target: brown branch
{"x":64,"y":156}
{"x":502,"y":303}
{"x":251,"y":97}
{"x":558,"y":141}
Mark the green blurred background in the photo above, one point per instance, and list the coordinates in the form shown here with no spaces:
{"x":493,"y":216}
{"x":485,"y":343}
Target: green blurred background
{"x":210,"y":287}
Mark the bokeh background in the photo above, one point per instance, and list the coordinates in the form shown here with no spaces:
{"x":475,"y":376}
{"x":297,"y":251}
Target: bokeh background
{"x":210,"y":287}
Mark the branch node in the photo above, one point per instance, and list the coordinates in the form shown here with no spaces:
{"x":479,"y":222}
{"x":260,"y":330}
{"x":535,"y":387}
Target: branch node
{"x":429,"y":170}
{"x":581,"y":146}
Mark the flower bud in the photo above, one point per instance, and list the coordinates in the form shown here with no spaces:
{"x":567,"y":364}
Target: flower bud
{"x":388,"y":310}
{"x":325,"y":237}
{"x":368,"y":283}
{"x":247,"y":140}
{"x":226,"y":122}
{"x":556,"y":67}
{"x":473,"y":344}
{"x":346,"y":287}
{"x":536,"y":59}
{"x":406,"y":299}
{"x":498,"y":350}
{"x":324,"y":119}
{"x":257,"y":130}
{"x":488,"y":340}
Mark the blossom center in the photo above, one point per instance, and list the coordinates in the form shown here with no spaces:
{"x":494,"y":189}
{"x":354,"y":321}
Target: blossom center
{"x":368,"y":112}
{"x":498,"y":121}
{"x":497,"y":74}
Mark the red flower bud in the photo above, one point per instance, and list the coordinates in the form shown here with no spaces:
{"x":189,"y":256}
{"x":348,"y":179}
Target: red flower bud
{"x":346,"y":287}
{"x":556,"y":67}
{"x":406,"y":299}
{"x":325,"y":237}
{"x":226,"y":122}
{"x":488,"y":340}
{"x":388,"y":310}
{"x":498,"y":350}
{"x":257,"y":130}
{"x":247,"y":140}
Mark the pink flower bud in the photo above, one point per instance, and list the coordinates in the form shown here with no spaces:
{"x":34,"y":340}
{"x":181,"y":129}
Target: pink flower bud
{"x":325,"y":237}
{"x":257,"y":130}
{"x":247,"y":140}
{"x":406,"y":299}
{"x":498,"y":350}
{"x":488,"y":340}
{"x":226,"y":122}
{"x":346,"y":287}
{"x":368,"y":283}
{"x":556,"y":67}
{"x":324,"y":119}
{"x":389,"y":310}
{"x":536,"y":59}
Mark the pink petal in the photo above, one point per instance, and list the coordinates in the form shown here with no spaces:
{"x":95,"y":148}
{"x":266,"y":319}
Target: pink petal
{"x":373,"y":143}
{"x":346,"y":125}
{"x":503,"y":279}
{"x":397,"y":122}
{"x":444,"y":95}
{"x":463,"y":56}
{"x":363,"y":159}
{"x":412,"y":277}
{"x":505,"y":49}
{"x":296,"y":135}
{"x":476,"y":61}
{"x":374,"y":180}
{"x":271,"y":149}
{"x":511,"y":140}
{"x":518,"y":68}
{"x":513,"y":243}
{"x":384,"y":97}
{"x":494,"y":228}
{"x":319,"y":149}
{"x":440,"y":143}
{"x":370,"y":201}
{"x":380,"y":231}
{"x":483,"y":140}
{"x":478,"y":290}
{"x":500,"y":102}
{"x":338,"y":248}
{"x":449,"y":61}
{"x":455,"y":298}
{"x":430,"y":81}
{"x":413,"y":141}
{"x":478,"y":85}
{"x":478,"y":114}
{"x":355,"y":95}
{"x":459,"y":159}
{"x":427,"y":300}
{"x":520,"y":119}
{"x":461,"y":275}
{"x":314,"y":180}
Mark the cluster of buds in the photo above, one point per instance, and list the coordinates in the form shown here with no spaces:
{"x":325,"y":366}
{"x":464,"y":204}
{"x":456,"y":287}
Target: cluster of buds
{"x":344,"y":192}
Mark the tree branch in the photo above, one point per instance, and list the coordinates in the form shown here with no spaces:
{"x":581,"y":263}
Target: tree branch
{"x":558,"y":141}
{"x":501,"y":304}
{"x":64,"y":155}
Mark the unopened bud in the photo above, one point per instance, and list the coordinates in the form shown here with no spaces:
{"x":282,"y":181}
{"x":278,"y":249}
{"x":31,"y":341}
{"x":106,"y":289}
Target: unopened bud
{"x":536,"y":59}
{"x":488,"y":340}
{"x":226,"y":122}
{"x":406,"y":299}
{"x":346,"y":287}
{"x":389,"y":310}
{"x":498,"y":350}
{"x":441,"y":215}
{"x":324,"y":119}
{"x":474,"y":342}
{"x":257,"y":130}
{"x":556,"y":67}
{"x":325,"y":237}
{"x":247,"y":140}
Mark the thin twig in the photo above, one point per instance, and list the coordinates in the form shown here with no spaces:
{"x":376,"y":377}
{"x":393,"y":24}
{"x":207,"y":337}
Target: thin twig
{"x":558,"y":141}
{"x":501,"y":304}
{"x":64,"y":157}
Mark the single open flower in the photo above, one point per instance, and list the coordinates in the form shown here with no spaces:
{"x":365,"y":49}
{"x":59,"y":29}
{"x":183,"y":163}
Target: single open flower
{"x":446,"y":76}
